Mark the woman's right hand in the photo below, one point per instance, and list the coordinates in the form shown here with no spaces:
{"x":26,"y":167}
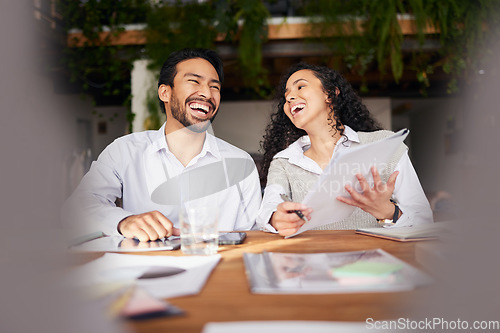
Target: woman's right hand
{"x":284,"y":219}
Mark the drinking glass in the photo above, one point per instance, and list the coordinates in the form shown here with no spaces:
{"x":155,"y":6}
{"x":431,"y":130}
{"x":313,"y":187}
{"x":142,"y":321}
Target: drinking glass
{"x":199,"y":230}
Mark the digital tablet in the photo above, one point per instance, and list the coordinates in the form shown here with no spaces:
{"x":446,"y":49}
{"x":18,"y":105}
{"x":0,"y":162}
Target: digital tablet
{"x":122,"y":244}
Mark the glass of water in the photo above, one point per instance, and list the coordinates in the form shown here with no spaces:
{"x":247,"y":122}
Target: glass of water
{"x":199,"y":230}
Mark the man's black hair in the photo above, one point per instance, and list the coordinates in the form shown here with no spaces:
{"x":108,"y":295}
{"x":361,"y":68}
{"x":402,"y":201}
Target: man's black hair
{"x":169,"y":68}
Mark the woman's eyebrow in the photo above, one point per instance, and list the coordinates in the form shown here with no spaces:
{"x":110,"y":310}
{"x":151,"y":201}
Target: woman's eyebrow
{"x":295,"y":82}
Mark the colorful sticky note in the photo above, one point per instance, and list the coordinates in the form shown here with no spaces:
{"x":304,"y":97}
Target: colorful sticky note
{"x":366,"y":268}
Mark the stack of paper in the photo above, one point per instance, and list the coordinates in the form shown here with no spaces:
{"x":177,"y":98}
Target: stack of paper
{"x":134,"y":286}
{"x":114,"y":267}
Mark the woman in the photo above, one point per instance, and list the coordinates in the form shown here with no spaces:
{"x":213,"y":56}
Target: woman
{"x":318,"y":115}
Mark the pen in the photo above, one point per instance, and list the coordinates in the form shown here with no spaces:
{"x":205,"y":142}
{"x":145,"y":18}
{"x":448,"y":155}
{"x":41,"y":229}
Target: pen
{"x":298,"y":212}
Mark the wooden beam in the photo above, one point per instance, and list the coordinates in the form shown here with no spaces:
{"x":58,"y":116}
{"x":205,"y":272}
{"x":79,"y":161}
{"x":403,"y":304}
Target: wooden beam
{"x":276,"y":31}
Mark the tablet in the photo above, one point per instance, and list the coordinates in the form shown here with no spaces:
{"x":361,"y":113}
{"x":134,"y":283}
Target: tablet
{"x":122,"y":244}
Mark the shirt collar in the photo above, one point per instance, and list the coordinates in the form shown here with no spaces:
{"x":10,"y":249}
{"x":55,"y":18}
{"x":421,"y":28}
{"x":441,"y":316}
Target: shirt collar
{"x":209,"y":146}
{"x":159,"y":141}
{"x":295,"y":151}
{"x":351,"y":134}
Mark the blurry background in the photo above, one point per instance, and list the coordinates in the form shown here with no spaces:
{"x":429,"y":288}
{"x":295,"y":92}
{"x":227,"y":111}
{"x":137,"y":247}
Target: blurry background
{"x":411,"y":61}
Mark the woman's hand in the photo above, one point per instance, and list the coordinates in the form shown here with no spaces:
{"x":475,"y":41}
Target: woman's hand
{"x":373,"y":200}
{"x":285,"y":221}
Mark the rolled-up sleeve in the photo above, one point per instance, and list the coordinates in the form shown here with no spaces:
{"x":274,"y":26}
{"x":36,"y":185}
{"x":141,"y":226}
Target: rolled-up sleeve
{"x":277,"y":183}
{"x":410,"y":196}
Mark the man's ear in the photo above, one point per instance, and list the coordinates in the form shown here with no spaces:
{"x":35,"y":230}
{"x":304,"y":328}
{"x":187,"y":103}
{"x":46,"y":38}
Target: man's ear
{"x":164,"y":93}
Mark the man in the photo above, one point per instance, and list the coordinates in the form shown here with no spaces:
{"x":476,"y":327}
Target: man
{"x":156,"y":172}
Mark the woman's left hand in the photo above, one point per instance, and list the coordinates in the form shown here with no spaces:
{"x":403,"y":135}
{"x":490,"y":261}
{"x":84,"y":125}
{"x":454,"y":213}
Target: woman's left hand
{"x":373,"y":200}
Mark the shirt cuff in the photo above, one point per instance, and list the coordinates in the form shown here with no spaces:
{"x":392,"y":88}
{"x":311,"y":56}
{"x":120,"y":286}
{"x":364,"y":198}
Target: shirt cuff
{"x":409,"y":218}
{"x":269,"y":228}
{"x":263,"y":221}
{"x":110,"y":223}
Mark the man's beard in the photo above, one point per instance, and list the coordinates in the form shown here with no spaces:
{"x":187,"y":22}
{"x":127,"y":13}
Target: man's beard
{"x":180,"y":114}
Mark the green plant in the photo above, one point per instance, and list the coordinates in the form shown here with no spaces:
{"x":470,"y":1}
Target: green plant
{"x":367,"y":32}
{"x":98,"y":65}
{"x":154,"y":118}
{"x":103,"y":69}
{"x":361,"y":33}
{"x":175,"y":26}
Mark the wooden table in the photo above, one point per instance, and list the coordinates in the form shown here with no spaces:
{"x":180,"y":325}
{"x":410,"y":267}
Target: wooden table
{"x":226,"y":295}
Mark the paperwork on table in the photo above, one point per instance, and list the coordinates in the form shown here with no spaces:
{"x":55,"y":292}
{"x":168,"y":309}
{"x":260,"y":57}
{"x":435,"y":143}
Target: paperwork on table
{"x":341,"y":171}
{"x":160,"y":276}
{"x":293,"y":326}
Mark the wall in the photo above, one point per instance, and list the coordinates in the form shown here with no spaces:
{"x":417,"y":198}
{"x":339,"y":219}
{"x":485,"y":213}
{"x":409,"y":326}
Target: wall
{"x":434,"y":125}
{"x":108,"y":123}
{"x":84,"y":140}
{"x":243,"y":123}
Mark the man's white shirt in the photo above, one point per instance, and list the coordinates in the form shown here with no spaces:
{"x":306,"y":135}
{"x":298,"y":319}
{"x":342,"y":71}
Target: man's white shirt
{"x":140,"y":168}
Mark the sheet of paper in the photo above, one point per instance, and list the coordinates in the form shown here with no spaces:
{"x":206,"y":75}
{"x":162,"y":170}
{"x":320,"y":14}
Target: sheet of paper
{"x":294,"y":326}
{"x":341,"y":171}
{"x":115,"y":267}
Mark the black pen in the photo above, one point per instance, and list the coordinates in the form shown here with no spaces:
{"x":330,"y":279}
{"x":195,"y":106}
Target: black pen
{"x":298,"y":212}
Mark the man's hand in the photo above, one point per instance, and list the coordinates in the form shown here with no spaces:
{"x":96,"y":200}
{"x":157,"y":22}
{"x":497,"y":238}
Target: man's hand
{"x":148,"y":226}
{"x":285,"y":221}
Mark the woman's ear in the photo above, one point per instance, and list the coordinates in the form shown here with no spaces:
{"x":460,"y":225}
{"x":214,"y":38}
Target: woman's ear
{"x":164,"y":93}
{"x":337,"y":92}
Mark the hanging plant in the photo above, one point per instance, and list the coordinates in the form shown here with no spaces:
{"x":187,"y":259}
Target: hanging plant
{"x":253,"y":34}
{"x":154,"y":119}
{"x":102,"y":69}
{"x":171,"y":27}
{"x":176,"y":26}
{"x":364,"y":28}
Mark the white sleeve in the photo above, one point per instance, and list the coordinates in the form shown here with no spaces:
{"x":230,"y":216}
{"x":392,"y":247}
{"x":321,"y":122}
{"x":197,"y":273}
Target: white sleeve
{"x":276,"y":181}
{"x":270,"y":202}
{"x":410,"y":196}
{"x":92,"y":206}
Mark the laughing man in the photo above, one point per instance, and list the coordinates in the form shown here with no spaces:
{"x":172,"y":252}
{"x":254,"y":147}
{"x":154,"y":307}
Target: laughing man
{"x":156,"y":172}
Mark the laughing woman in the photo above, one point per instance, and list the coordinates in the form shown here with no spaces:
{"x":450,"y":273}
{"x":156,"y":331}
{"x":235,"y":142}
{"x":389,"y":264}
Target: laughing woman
{"x":319,"y":115}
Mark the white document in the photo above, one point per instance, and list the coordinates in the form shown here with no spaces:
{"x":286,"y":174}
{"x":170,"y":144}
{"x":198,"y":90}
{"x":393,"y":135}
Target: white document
{"x":119,"y":268}
{"x":293,"y":326}
{"x":342,"y":171}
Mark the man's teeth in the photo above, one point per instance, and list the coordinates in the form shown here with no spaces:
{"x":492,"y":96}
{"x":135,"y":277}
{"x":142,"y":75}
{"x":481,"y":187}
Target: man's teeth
{"x":199,"y":107}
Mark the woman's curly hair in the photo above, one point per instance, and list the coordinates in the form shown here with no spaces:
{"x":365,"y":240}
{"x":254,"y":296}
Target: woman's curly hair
{"x":346,"y":108}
